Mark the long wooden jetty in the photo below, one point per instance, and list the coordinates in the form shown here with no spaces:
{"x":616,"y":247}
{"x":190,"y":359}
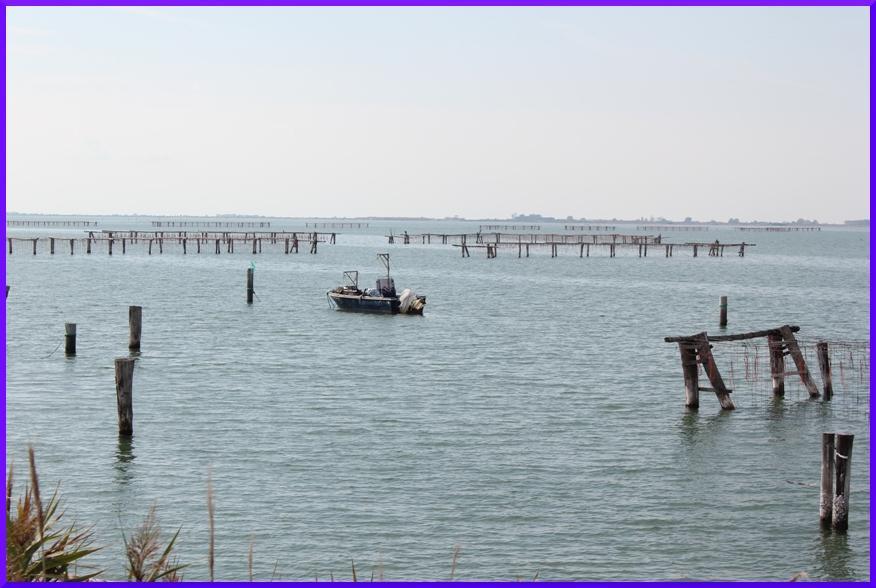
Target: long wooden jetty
{"x":778,"y":229}
{"x":482,"y":228}
{"x":211,"y":241}
{"x":711,"y":249}
{"x":336,"y":225}
{"x":672,"y":228}
{"x":50,"y":223}
{"x":212,"y":224}
{"x":589,"y":227}
{"x":514,"y":238}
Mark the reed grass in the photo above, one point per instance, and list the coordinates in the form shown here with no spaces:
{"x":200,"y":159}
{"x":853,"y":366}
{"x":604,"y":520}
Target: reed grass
{"x":142,"y":553}
{"x":38,"y":546}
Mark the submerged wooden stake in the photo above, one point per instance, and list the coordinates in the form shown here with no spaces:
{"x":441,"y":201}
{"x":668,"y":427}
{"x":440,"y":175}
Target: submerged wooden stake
{"x":825,"y":505}
{"x":135,"y":319}
{"x":691,"y":370}
{"x":124,"y":394}
{"x":249,"y":285}
{"x":777,"y":363}
{"x":70,"y":338}
{"x":843,"y":466}
{"x":723,"y":319}
{"x":824,"y":365}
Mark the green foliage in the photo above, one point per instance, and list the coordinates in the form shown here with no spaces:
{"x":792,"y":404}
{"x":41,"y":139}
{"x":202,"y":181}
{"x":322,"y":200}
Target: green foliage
{"x":38,"y":547}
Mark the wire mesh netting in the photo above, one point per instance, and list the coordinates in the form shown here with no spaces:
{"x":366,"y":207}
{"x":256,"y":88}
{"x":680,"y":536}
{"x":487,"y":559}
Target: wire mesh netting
{"x":745,"y":366}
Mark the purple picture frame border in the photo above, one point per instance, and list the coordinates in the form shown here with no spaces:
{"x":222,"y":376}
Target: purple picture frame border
{"x":482,"y":3}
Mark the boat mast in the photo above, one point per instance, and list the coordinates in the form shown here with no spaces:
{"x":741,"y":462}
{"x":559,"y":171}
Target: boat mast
{"x":384,"y":257}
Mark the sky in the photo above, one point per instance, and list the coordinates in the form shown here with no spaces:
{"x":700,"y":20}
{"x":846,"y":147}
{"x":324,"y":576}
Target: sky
{"x":600,"y":113}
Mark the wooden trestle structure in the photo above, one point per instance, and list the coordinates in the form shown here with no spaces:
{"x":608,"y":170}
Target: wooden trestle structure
{"x":211,"y":240}
{"x":491,"y":242}
{"x":696,"y":350}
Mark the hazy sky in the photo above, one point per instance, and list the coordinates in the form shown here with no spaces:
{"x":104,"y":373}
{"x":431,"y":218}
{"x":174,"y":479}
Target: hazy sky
{"x":756,"y":113}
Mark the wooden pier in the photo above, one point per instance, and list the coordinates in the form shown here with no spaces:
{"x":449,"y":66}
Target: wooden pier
{"x":672,"y":228}
{"x":482,"y":228}
{"x":50,"y":223}
{"x":778,"y":229}
{"x":515,"y":238}
{"x":194,"y":242}
{"x":212,"y":224}
{"x":584,"y":247}
{"x":336,"y":225}
{"x":589,"y":228}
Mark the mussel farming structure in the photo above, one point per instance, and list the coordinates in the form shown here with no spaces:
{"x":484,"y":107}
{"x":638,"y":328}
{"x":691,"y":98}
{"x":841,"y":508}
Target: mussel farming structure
{"x":581,"y":243}
{"x":188,"y":241}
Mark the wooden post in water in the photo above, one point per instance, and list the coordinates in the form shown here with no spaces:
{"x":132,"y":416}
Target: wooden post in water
{"x":135,"y":320}
{"x":777,"y":363}
{"x":70,"y":338}
{"x":249,"y":285}
{"x":150,"y":246}
{"x":824,"y":365}
{"x":124,"y":394}
{"x":9,"y":240}
{"x":711,"y":368}
{"x":691,"y":371}
{"x":71,"y":245}
{"x":88,"y":245}
{"x":184,"y":245}
{"x":825,"y":504}
{"x":34,"y":246}
{"x":124,"y":246}
{"x":253,"y":245}
{"x":843,"y":465}
{"x":109,"y":246}
{"x":287,"y":246}
{"x":723,"y":320}
{"x":51,"y":245}
{"x":799,"y":361}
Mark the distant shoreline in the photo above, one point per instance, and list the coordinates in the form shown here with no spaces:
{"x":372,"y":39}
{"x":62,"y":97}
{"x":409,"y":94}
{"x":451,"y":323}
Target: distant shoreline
{"x":519,"y":219}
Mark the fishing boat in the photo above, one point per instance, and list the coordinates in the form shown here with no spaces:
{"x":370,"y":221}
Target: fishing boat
{"x":380,"y":299}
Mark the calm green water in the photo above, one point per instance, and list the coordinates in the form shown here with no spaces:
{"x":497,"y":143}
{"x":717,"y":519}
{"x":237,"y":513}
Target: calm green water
{"x":534,"y":416}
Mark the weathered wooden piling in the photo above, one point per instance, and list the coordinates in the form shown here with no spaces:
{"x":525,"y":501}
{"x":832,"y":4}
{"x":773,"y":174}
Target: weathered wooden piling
{"x":843,"y":468}
{"x":150,"y":246}
{"x":109,"y":246}
{"x":51,"y":245}
{"x":71,"y":245}
{"x":249,"y":285}
{"x":691,"y":371}
{"x":825,"y":504}
{"x":824,"y":366}
{"x":8,"y":240}
{"x":34,"y":246}
{"x":124,"y":246}
{"x":135,"y":320}
{"x":799,"y":361}
{"x":777,"y":362}
{"x":70,"y":338}
{"x":124,"y":394}
{"x":723,"y":319}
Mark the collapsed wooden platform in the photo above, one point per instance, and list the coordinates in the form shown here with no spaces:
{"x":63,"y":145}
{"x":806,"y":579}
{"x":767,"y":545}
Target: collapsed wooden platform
{"x":696,"y":350}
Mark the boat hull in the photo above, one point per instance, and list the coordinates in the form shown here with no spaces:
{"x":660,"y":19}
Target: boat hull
{"x":372,"y":304}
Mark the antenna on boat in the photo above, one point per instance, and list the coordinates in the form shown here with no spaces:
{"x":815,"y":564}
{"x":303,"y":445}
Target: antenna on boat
{"x":384,"y":257}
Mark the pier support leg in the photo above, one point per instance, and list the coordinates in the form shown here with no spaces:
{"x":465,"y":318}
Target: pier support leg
{"x":722,"y":322}
{"x":711,"y":369}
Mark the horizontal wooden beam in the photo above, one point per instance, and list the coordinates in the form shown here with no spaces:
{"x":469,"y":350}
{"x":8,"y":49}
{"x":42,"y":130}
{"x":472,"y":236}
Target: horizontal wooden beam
{"x":738,"y":337}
